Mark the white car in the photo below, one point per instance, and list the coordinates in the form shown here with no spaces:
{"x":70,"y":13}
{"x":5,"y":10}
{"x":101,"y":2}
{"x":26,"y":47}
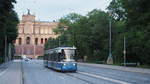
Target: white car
{"x":26,"y":59}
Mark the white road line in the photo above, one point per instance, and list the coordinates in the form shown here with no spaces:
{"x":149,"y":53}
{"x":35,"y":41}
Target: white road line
{"x":3,"y":72}
{"x":61,"y":77}
{"x":105,"y":78}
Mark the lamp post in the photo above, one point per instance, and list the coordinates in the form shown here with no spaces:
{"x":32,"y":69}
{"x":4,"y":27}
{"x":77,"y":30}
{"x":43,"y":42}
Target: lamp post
{"x":6,"y":48}
{"x":124,"y":52}
{"x":59,"y":42}
{"x":110,"y":58}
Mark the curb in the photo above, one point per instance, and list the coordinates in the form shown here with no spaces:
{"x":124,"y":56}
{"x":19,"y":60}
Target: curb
{"x":121,"y":68}
{"x":21,"y":71}
{"x":5,"y":65}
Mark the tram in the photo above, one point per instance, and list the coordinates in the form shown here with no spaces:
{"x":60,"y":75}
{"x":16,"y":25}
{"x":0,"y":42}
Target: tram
{"x":60,"y":58}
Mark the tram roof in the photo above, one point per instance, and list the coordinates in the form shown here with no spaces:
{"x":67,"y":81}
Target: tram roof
{"x":60,"y":48}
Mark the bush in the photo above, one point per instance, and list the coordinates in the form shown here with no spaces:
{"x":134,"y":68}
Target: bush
{"x":40,"y":57}
{"x":17,"y":57}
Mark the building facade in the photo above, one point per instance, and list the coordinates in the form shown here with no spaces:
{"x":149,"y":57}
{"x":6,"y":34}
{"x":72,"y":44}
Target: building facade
{"x":32,"y":35}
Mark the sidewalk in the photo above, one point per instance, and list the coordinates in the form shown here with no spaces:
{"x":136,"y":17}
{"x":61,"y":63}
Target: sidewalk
{"x":123,"y":68}
{"x":12,"y":74}
{"x":4,"y":66}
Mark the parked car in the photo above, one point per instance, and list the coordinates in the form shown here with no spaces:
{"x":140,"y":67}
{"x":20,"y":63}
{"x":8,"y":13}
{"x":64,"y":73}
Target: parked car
{"x":26,"y":59}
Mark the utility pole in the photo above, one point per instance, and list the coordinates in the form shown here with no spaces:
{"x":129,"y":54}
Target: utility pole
{"x":110,"y":58}
{"x":9,"y":51}
{"x":5,"y":48}
{"x":22,"y":51}
{"x":124,"y":51}
{"x":59,"y":42}
{"x":34,"y":50}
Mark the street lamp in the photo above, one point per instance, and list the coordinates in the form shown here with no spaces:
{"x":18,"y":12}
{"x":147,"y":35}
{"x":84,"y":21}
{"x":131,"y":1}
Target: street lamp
{"x":6,"y":58}
{"x":124,"y":51}
{"x":110,"y":58}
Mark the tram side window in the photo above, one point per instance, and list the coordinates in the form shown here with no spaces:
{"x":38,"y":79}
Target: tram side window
{"x":46,"y":57}
{"x":49,"y":57}
{"x":55,"y":57}
{"x":59,"y":57}
{"x":52,"y":57}
{"x":75,"y":55}
{"x":62,"y":54}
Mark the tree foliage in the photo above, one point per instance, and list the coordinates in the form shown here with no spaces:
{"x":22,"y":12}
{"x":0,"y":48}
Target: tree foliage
{"x":136,"y":27}
{"x":90,"y":33}
{"x":8,"y":22}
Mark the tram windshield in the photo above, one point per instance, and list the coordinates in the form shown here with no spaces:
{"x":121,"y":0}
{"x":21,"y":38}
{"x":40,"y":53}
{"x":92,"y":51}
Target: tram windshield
{"x":69,"y":54}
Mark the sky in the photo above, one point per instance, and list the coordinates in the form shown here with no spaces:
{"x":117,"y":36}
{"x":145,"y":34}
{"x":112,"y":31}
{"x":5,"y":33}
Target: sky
{"x":49,"y":10}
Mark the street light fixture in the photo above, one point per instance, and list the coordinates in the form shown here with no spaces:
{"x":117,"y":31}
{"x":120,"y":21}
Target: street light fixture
{"x":6,"y":58}
{"x":124,"y":51}
{"x":110,"y":58}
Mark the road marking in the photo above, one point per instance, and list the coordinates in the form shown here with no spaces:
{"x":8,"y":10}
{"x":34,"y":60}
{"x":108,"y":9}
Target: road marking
{"x":105,"y":78}
{"x":61,"y":77}
{"x":16,"y":60}
{"x":3,"y":72}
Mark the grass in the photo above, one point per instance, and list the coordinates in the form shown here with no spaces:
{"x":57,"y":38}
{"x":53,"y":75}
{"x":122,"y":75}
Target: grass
{"x":119,"y":64}
{"x":144,"y":66}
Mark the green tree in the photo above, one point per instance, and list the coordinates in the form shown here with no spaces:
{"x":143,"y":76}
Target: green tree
{"x":88,"y":33}
{"x":8,"y":22}
{"x":136,"y":28}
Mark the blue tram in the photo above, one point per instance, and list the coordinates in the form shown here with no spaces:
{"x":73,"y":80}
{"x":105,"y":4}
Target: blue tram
{"x":61,"y":58}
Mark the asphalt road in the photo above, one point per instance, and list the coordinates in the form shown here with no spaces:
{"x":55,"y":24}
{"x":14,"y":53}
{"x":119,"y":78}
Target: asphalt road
{"x":33,"y":72}
{"x":12,"y":74}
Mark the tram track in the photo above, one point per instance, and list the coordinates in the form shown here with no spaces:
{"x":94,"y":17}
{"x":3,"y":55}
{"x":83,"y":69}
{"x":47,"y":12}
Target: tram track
{"x":22,"y":73}
{"x":102,"y":78}
{"x":78,"y":75}
{"x":70,"y":75}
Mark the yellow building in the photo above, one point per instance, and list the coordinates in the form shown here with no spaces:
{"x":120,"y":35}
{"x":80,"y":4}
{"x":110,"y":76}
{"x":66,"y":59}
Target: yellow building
{"x":32,"y":36}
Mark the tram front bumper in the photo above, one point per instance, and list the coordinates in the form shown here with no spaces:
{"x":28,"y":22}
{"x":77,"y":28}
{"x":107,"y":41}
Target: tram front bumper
{"x":69,"y":67}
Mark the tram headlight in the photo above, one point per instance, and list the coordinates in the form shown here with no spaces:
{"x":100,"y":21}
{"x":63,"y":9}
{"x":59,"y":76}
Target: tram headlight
{"x":64,"y":64}
{"x":74,"y":64}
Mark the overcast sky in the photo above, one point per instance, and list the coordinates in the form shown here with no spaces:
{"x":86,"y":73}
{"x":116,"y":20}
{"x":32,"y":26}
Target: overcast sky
{"x":49,"y":10}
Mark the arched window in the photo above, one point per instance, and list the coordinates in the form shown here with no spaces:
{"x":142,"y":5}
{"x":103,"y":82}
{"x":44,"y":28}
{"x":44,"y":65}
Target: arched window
{"x":28,"y":40}
{"x":20,"y":41}
{"x":41,"y":40}
{"x":36,"y":41}
{"x":45,"y":40}
{"x":14,"y":41}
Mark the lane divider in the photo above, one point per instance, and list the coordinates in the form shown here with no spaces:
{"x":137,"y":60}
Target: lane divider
{"x":104,"y":78}
{"x":3,"y":72}
{"x":21,"y":71}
